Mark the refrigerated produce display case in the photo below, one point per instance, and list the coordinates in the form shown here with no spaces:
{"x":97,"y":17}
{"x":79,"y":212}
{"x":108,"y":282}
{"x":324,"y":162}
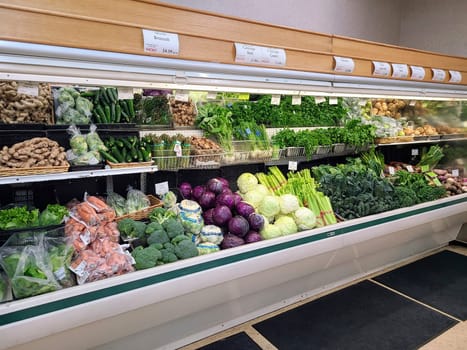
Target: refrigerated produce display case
{"x":174,"y":304}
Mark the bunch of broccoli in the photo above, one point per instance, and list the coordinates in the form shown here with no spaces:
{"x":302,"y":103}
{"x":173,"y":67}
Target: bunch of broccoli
{"x":166,"y":240}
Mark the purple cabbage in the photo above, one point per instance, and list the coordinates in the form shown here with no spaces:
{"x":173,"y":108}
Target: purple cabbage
{"x":226,"y":199}
{"x":256,"y":221}
{"x":231,"y":241}
{"x":238,"y":226}
{"x":207,"y":216}
{"x":252,"y":236}
{"x":198,"y":191}
{"x":215,"y":185}
{"x":221,"y":215}
{"x":185,"y":190}
{"x":207,"y":200}
{"x":244,"y":209}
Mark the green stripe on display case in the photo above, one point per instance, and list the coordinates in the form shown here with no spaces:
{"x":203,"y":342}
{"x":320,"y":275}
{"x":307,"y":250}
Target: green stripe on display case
{"x":94,"y":295}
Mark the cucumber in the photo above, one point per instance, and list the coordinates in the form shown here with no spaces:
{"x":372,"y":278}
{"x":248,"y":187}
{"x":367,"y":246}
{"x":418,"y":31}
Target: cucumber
{"x":108,"y":157}
{"x":118,"y":155}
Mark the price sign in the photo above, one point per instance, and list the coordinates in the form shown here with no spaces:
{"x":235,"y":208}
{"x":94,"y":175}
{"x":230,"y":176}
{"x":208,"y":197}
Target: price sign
{"x":362,"y":102}
{"x":125,"y":93}
{"x":162,"y":188}
{"x":412,"y":103}
{"x":415,"y":151}
{"x":276,"y":99}
{"x":438,"y":74}
{"x":400,"y":70}
{"x":245,"y":53}
{"x":182,"y":96}
{"x":160,"y":42}
{"x":178,"y":149}
{"x":455,"y":172}
{"x":456,"y":77}
{"x":381,"y":68}
{"x":344,"y":64}
{"x":296,"y":100}
{"x":409,"y":168}
{"x":418,"y":73}
{"x":392,"y":170}
{"x":211,"y":96}
{"x":31,"y":89}
{"x":293,"y":165}
{"x":319,"y":99}
{"x":333,"y":100}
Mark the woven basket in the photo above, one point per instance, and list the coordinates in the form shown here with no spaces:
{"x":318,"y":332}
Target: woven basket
{"x":33,"y":170}
{"x":128,"y":165}
{"x":154,"y":202}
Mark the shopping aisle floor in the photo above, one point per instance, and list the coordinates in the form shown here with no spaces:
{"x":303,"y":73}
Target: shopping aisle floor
{"x":421,"y":304}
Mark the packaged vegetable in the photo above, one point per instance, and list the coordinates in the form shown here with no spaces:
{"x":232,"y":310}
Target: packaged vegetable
{"x":5,"y":288}
{"x":136,"y":200}
{"x":117,"y":202}
{"x":94,"y":141}
{"x":77,"y":141}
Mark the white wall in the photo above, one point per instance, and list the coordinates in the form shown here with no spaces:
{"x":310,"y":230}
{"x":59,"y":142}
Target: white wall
{"x":435,"y":25}
{"x":376,"y":20}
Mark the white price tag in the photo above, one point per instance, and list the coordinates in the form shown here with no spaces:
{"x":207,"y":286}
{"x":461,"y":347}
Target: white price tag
{"x":162,"y":188}
{"x":31,"y":89}
{"x":319,"y":99}
{"x":415,"y":151}
{"x":409,"y":168}
{"x":182,"y":96}
{"x":412,"y":103}
{"x":293,"y":165}
{"x":418,"y":73}
{"x":400,"y":70}
{"x":125,"y":93}
{"x":333,"y":100}
{"x":344,"y":64}
{"x":160,"y":42}
{"x":456,"y":76}
{"x":455,"y":172}
{"x":211,"y":96}
{"x":296,"y":100}
{"x":362,"y":102}
{"x":276,"y":99}
{"x":178,"y":149}
{"x":245,"y":53}
{"x":381,"y":68}
{"x":438,"y":74}
{"x":392,"y":170}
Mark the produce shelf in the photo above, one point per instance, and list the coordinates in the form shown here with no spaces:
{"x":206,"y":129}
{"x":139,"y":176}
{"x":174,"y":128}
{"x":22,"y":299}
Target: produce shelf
{"x":76,"y":175}
{"x":424,"y":141}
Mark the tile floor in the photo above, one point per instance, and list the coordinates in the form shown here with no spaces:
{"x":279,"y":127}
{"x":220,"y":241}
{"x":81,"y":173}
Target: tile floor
{"x":454,"y":338}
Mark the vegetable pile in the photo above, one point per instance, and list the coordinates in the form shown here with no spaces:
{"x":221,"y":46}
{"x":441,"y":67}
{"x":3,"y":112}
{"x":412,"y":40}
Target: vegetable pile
{"x":126,"y":150}
{"x":135,"y":201}
{"x":22,"y":108}
{"x":36,"y":152}
{"x":152,"y":108}
{"x":108,"y":108}
{"x":85,"y":149}
{"x":71,"y":107}
{"x":183,"y":113}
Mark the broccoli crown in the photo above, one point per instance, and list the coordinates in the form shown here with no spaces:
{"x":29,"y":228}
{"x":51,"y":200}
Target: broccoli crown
{"x":168,"y":256}
{"x":186,"y":249}
{"x":131,"y":228}
{"x":173,"y":227}
{"x":157,"y":246}
{"x":146,"y":258}
{"x":169,"y":247}
{"x":153,"y":226}
{"x":157,"y":236}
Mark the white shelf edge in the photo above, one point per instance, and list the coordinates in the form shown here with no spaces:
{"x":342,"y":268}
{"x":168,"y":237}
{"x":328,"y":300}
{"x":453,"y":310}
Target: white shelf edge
{"x":7,"y":180}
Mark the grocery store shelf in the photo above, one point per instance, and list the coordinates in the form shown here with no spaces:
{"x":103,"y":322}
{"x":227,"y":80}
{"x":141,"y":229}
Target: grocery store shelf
{"x":423,"y":141}
{"x":76,"y":175}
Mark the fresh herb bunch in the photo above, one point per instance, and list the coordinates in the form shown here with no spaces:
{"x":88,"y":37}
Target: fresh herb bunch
{"x":216,"y":120}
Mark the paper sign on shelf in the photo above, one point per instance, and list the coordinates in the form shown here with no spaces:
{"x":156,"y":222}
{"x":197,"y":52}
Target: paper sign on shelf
{"x":362,"y":102}
{"x":245,"y":53}
{"x":400,"y":70}
{"x":392,"y":170}
{"x":333,"y":100}
{"x":456,"y":76}
{"x":381,"y":68}
{"x":455,"y":172}
{"x":418,"y":73}
{"x":162,"y":188}
{"x":296,"y":100}
{"x":319,"y":99}
{"x":409,"y":168}
{"x":415,"y":151}
{"x":160,"y":42}
{"x":125,"y":93}
{"x":293,"y":165}
{"x":182,"y":96}
{"x":276,"y":99}
{"x":31,"y":89}
{"x":344,"y":64}
{"x":438,"y":74}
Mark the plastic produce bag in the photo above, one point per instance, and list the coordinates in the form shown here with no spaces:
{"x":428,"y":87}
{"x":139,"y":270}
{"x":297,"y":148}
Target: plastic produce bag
{"x":59,"y":254}
{"x":117,"y":202}
{"x":94,"y":141}
{"x":71,"y":108}
{"x":136,"y":200}
{"x":27,"y":266}
{"x":78,"y":142}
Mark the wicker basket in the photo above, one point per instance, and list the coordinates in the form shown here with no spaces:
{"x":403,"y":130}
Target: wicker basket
{"x":129,"y":165}
{"x":33,"y":170}
{"x":154,"y":202}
